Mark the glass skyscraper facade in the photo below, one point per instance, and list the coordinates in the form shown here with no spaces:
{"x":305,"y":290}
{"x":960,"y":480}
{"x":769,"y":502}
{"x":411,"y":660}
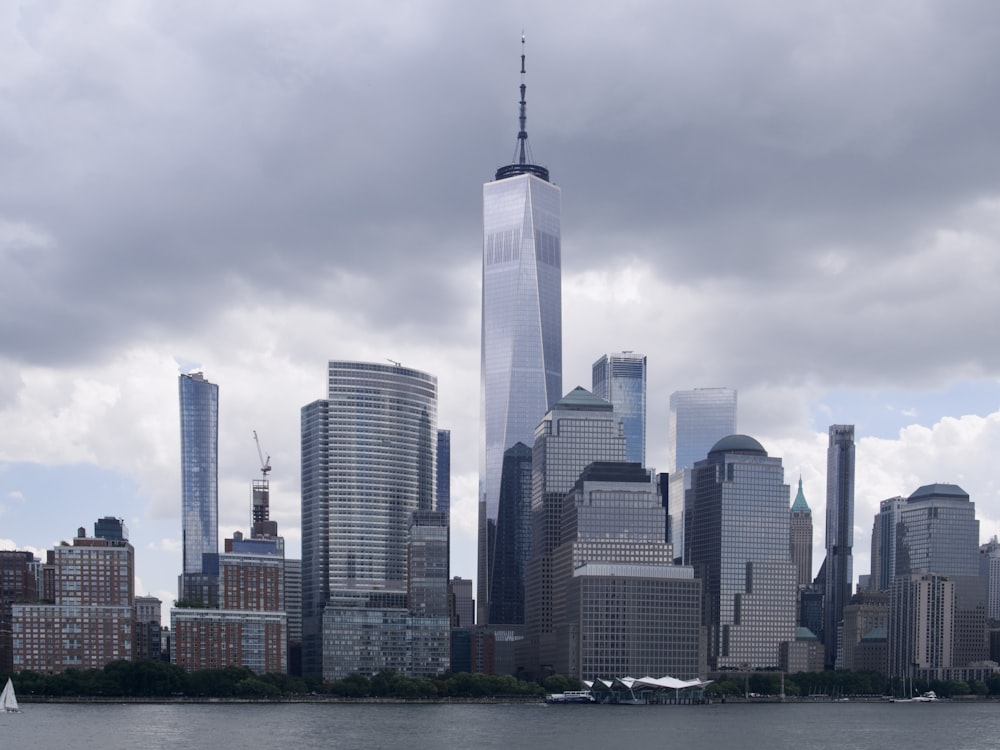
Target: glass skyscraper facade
{"x":698,"y":419}
{"x":883,"y":556}
{"x":443,"y":502}
{"x":368,"y":463}
{"x":739,"y":548}
{"x":199,"y":401}
{"x":621,"y":379}
{"x":521,"y":355}
{"x":512,"y":544}
{"x":939,"y":533}
{"x":839,"y":534}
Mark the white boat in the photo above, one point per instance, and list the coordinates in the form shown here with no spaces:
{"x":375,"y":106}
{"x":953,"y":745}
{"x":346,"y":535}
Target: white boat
{"x":929,"y":697}
{"x":8,"y":701}
{"x":570,"y":696}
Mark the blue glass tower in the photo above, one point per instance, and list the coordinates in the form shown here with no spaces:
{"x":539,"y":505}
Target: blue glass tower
{"x":199,"y":401}
{"x":621,"y":379}
{"x":521,"y":356}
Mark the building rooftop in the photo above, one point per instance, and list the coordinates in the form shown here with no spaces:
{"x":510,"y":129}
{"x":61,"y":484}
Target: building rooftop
{"x":939,"y":490}
{"x":614,"y":471}
{"x":738,"y":444}
{"x":800,"y":505}
{"x":582,"y":399}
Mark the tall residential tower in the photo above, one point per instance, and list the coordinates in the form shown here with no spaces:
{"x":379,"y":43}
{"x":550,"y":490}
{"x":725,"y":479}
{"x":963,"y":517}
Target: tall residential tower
{"x":839,"y":534}
{"x":199,"y":401}
{"x":521,"y":358}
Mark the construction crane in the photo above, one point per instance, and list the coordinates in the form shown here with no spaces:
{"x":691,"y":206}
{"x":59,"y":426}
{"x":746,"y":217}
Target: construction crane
{"x":265,"y":463}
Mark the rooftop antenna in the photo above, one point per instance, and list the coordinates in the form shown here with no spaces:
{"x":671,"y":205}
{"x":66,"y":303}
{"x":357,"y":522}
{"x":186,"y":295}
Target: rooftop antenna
{"x":522,"y":163}
{"x":522,"y":135}
{"x":394,"y":362}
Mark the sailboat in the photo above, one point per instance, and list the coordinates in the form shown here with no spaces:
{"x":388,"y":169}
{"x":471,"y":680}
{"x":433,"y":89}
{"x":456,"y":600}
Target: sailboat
{"x":8,"y":701}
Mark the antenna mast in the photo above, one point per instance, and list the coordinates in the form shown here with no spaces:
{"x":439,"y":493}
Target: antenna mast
{"x":522,"y":135}
{"x":522,"y":163}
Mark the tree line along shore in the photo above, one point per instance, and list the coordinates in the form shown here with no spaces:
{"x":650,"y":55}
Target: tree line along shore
{"x":157,"y":680}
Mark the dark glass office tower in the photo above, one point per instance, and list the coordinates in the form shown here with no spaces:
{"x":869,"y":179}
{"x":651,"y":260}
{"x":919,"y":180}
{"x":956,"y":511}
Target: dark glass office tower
{"x":839,"y":534}
{"x":513,"y":538}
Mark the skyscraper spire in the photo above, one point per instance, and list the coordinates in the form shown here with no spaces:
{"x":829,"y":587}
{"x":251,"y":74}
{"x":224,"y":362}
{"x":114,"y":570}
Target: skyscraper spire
{"x":522,"y":134}
{"x":522,"y":151}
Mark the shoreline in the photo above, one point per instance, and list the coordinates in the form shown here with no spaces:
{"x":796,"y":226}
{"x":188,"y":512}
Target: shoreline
{"x":505,"y":700}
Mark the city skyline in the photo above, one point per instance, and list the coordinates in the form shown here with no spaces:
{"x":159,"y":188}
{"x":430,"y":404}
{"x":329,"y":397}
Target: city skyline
{"x":188,"y":215}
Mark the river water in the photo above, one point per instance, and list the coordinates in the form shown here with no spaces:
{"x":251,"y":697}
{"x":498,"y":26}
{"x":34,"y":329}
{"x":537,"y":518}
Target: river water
{"x":806,"y":726}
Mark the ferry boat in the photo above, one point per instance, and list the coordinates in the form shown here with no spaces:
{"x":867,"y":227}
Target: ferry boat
{"x":570,"y":696}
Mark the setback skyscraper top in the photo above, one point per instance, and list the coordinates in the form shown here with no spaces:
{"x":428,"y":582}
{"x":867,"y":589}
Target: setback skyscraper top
{"x":521,"y":356}
{"x":621,"y":379}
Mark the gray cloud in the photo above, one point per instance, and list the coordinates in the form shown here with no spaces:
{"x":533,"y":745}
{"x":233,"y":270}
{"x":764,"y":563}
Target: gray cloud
{"x":184,"y":162}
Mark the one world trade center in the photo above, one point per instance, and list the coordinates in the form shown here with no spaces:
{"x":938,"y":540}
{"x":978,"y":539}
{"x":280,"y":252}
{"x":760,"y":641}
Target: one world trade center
{"x":521,"y":358}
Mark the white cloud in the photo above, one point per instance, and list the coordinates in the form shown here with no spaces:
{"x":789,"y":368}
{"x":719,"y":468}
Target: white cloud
{"x":165,"y":545}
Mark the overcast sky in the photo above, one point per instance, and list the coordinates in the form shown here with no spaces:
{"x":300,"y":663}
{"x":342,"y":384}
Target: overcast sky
{"x":797,"y":200}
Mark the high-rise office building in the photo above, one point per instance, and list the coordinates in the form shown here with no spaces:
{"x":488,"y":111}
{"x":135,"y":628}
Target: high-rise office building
{"x":839,"y":534}
{"x":989,"y":568}
{"x":461,"y":604}
{"x":427,"y":569}
{"x":800,"y":528}
{"x":883,"y":556}
{"x":199,"y":401}
{"x":579,"y":430}
{"x":521,"y":357}
{"x":368,"y":463}
{"x":699,"y":418}
{"x":739,"y":549}
{"x":619,"y":604}
{"x":937,"y":577}
{"x":621,"y":379}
